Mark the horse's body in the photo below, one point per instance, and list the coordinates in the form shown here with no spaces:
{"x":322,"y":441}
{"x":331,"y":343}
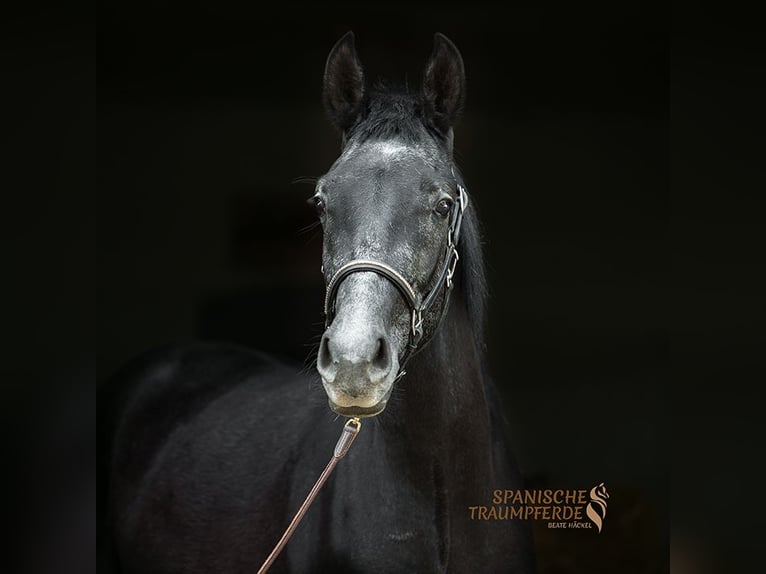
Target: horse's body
{"x":216,"y":446}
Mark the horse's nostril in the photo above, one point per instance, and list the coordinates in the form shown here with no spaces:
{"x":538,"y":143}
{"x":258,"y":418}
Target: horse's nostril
{"x":381,"y":359}
{"x":325,"y":361}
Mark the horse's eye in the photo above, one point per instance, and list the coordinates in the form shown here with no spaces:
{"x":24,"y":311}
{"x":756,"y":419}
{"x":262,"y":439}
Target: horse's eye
{"x":318,"y":204}
{"x":443,"y":207}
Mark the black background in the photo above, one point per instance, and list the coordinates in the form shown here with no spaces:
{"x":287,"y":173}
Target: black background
{"x":569,"y":62}
{"x":210,"y":112}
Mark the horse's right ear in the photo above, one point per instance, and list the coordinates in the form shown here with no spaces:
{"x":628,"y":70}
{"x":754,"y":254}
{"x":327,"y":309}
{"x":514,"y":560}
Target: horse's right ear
{"x":444,"y":84}
{"x":343,"y":90}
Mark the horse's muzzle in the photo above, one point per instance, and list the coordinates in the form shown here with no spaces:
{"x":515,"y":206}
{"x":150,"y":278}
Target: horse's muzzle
{"x":357,"y":370}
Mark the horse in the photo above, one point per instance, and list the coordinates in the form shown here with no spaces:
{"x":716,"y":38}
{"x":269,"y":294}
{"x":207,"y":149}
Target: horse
{"x":216,"y":445}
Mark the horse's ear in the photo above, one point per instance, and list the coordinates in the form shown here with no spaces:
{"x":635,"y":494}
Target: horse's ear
{"x":444,"y":84}
{"x":343,"y":91}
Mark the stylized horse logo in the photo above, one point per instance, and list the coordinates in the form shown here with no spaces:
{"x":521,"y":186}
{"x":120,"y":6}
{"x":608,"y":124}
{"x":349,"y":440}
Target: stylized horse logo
{"x":596,"y":509}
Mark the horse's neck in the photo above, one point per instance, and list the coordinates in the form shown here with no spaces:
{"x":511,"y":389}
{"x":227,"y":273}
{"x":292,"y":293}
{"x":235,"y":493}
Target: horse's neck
{"x":441,"y":408}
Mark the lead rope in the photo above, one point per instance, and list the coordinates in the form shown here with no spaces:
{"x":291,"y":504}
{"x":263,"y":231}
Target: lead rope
{"x":347,"y":436}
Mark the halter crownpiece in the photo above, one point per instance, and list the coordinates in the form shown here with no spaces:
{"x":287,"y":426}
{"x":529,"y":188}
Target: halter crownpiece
{"x":418,"y":305}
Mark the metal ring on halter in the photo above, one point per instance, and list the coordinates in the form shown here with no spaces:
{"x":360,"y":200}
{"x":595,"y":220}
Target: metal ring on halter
{"x":355,"y":422}
{"x":463,"y":197}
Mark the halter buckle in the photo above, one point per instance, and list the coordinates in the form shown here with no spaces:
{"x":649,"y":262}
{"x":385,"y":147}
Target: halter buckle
{"x":417,"y":323}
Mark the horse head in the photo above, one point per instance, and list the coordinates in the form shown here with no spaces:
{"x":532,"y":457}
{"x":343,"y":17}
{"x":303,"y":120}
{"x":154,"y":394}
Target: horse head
{"x":391,"y":207}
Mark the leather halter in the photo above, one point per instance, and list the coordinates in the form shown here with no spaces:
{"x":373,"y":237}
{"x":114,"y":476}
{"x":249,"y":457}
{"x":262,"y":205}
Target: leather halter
{"x":418,"y":305}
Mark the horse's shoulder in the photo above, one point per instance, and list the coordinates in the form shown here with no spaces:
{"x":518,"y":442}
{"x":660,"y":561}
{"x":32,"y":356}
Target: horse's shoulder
{"x":189,"y":368}
{"x":171,"y":385}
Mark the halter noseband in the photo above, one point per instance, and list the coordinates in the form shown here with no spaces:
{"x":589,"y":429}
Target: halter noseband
{"x":419,"y":306}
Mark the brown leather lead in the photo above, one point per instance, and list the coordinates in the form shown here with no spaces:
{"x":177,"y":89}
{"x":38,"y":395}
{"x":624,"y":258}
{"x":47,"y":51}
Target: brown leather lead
{"x":350,"y":430}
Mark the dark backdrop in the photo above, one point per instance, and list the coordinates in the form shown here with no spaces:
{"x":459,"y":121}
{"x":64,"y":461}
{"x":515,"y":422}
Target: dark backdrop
{"x":209,"y":112}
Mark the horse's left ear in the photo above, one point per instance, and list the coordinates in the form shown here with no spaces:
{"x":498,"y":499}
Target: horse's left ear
{"x":444,"y":84}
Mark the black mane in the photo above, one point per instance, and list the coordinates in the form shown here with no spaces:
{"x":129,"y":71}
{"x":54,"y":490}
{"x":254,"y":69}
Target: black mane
{"x":472,"y":281}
